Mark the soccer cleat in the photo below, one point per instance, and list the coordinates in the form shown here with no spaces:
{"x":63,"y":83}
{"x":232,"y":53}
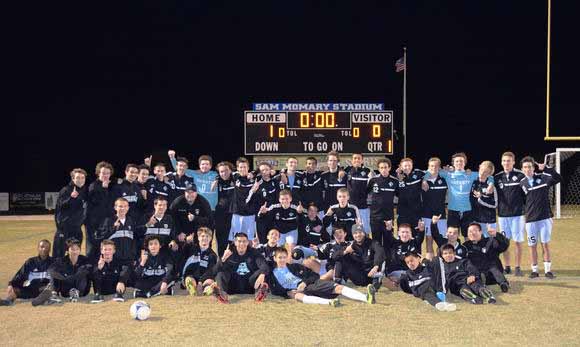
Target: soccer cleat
{"x":118,"y":297}
{"x":221,"y":297}
{"x":190,"y":286}
{"x":208,"y":291}
{"x":487,"y":295}
{"x":97,"y":298}
{"x":468,"y":295}
{"x":518,"y":272}
{"x":508,"y":270}
{"x":43,"y":297}
{"x":74,"y":295}
{"x":534,"y":274}
{"x":505,"y":286}
{"x":199,"y":289}
{"x":550,"y":275}
{"x":139,"y":294}
{"x":6,"y":302}
{"x":262,"y":292}
{"x":334,"y":302}
{"x":371,"y":294}
{"x":377,"y":282}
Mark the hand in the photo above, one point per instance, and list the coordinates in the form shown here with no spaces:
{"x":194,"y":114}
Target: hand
{"x":117,"y":223}
{"x":348,"y":249}
{"x":181,"y":237}
{"x":283,"y":178}
{"x":301,"y":287}
{"x":171,"y":154}
{"x":256,"y":186}
{"x":147,"y":161}
{"x":341,"y":174}
{"x":476,"y":194}
{"x":272,"y":172}
{"x":190,"y":216}
{"x":120,"y":287}
{"x":263,"y":209}
{"x":250,"y":175}
{"x":173,"y":245}
{"x":425,"y":186}
{"x":101,"y":262}
{"x":74,"y":193}
{"x":492,"y":232}
{"x":489,"y":189}
{"x":470,"y":279}
{"x":330,"y":212}
{"x":213,"y":185}
{"x":151,"y":221}
{"x":255,"y":242}
{"x":259,"y":281}
{"x":163,"y":289}
{"x":373,"y":271}
{"x":189,"y":238}
{"x":144,"y":257}
{"x":106,"y":183}
{"x":227,"y":254}
{"x":435,"y":219}
{"x":421,"y":225}
{"x":389,"y":224}
{"x":300,"y":209}
{"x":542,"y":166}
{"x":144,"y":194}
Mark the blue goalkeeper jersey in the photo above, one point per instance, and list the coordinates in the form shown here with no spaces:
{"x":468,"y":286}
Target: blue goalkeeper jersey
{"x":203,"y":182}
{"x":459,"y":183}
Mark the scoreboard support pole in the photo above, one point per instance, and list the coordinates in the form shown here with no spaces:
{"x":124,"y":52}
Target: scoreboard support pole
{"x":405,"y":103}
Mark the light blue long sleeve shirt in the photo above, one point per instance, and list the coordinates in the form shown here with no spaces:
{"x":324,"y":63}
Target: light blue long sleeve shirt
{"x":203,"y":182}
{"x":459,"y":183}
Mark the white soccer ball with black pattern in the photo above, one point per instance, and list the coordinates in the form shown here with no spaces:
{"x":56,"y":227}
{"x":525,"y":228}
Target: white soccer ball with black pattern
{"x":140,"y":310}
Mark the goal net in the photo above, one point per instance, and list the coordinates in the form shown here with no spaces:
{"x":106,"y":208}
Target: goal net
{"x":566,"y":195}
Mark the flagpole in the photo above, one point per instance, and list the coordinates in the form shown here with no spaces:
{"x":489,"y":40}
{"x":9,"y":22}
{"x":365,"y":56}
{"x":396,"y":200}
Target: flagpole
{"x":405,"y":102}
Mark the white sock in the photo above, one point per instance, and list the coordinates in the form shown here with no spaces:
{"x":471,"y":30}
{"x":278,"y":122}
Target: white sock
{"x":547,"y":266}
{"x":309,"y":299}
{"x":534,"y":267}
{"x":353,"y":294}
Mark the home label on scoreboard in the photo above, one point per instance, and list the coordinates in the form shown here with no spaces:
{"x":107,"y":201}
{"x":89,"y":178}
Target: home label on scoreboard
{"x":318,"y":128}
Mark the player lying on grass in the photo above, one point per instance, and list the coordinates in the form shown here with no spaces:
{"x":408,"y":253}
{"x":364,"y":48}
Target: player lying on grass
{"x":110,"y":275}
{"x":362,"y":261}
{"x":484,"y":253}
{"x":417,"y":280}
{"x":460,"y":277}
{"x":536,"y":186}
{"x":297,"y":282}
{"x":241,"y":270}
{"x":198,"y":271}
{"x":32,"y":277}
{"x":154,"y":272}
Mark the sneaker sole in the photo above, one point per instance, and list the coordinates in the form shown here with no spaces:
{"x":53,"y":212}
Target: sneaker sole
{"x":371,"y":299}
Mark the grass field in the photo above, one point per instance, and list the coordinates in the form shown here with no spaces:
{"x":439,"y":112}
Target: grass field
{"x":535,"y":312}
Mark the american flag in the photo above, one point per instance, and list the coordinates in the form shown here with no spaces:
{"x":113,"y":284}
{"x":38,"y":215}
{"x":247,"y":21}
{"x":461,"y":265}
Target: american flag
{"x":400,"y":64}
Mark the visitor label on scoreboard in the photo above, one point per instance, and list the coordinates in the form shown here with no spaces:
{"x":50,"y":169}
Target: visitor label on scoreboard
{"x":275,"y":128}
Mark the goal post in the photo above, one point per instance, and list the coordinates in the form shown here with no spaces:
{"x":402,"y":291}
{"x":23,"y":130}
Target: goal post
{"x":566,"y":195}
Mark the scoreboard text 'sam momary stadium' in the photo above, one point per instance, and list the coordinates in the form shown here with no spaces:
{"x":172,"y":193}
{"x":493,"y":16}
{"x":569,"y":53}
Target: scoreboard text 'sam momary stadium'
{"x":301,"y":128}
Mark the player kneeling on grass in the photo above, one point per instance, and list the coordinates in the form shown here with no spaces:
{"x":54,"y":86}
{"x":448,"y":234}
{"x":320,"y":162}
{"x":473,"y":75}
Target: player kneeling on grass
{"x":154,"y":271}
{"x":32,"y":277}
{"x":484,"y":253}
{"x":241,"y":270}
{"x":69,"y":276}
{"x":110,"y":275}
{"x":417,"y":281}
{"x":451,"y":237}
{"x":362,"y":261}
{"x":297,"y":282}
{"x":461,"y":277}
{"x":406,"y":243}
{"x":267,"y":249}
{"x":198,"y":271}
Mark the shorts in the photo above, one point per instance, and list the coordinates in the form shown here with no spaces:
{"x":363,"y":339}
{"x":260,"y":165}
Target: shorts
{"x":540,"y":230}
{"x":441,"y":224}
{"x":289,"y":237}
{"x":244,"y":224}
{"x":486,"y":226}
{"x":322,"y":289}
{"x":365,"y":216}
{"x":513,"y":227}
{"x":308,"y":252}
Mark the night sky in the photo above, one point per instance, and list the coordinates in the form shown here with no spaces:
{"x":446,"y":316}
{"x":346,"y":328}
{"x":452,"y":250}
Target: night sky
{"x":86,"y":82}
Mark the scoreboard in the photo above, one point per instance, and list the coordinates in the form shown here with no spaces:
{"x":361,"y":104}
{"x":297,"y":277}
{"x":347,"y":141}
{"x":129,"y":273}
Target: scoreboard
{"x":318,"y":129}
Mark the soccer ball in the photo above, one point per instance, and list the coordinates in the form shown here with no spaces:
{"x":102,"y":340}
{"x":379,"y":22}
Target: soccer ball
{"x":140,"y":310}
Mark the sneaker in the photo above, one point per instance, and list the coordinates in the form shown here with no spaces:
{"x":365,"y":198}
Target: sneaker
{"x":199,"y":289}
{"x":477,"y":301}
{"x":334,"y":302}
{"x":371,"y":293}
{"x":449,"y":307}
{"x":170,"y":291}
{"x":118,"y":297}
{"x":262,"y":292}
{"x":97,"y":298}
{"x":487,"y":295}
{"x":505,"y":286}
{"x":190,"y":286}
{"x":222,"y":297}
{"x":518,"y":272}
{"x":468,"y":295}
{"x":507,"y":270}
{"x":6,"y":302}
{"x":208,"y":291}
{"x":74,"y":295}
{"x":550,"y":275}
{"x":139,"y":294}
{"x":43,"y":297}
{"x":440,"y":306}
{"x":377,"y":282}
{"x":534,"y":275}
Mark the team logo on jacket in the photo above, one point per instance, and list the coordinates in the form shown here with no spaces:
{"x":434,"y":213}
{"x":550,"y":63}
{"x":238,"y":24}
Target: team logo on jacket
{"x":439,"y":182}
{"x":538,"y":180}
{"x":238,"y":183}
{"x":349,"y":214}
{"x":390,"y":184}
{"x":242,"y":269}
{"x":165,"y":188}
{"x":501,"y":185}
{"x":197,"y":211}
{"x":484,"y":250}
{"x":129,"y":227}
{"x":401,"y":184}
{"x":165,"y":226}
{"x":298,"y":182}
{"x":514,"y":178}
{"x":291,"y":214}
{"x":363,"y":173}
{"x":414,"y":177}
{"x":277,"y":216}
